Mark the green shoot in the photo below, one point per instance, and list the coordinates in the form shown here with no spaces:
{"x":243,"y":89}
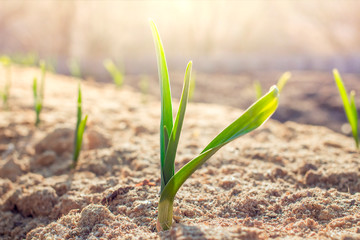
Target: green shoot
{"x":349,"y":106}
{"x":144,"y":87}
{"x":283,"y":80}
{"x":258,"y":89}
{"x":37,"y":102}
{"x":116,"y":74}
{"x":51,"y":65}
{"x":280,"y":84}
{"x":192,"y":86}
{"x":74,"y":68}
{"x":5,"y":93}
{"x":79,"y":129}
{"x":29,"y":59}
{"x":39,"y":93}
{"x":170,"y":131}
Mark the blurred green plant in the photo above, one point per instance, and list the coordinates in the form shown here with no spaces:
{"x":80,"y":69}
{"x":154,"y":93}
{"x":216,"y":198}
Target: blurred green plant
{"x":74,"y":68}
{"x":51,"y":65}
{"x":38,"y":93}
{"x":79,"y":129}
{"x":349,"y":106}
{"x":144,"y":87}
{"x":116,"y":74}
{"x":5,"y":92}
{"x":170,"y":131}
{"x":258,"y":89}
{"x":284,"y":78}
{"x":28,"y":59}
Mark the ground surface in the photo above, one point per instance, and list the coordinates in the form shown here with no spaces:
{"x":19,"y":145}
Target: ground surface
{"x":284,"y":180}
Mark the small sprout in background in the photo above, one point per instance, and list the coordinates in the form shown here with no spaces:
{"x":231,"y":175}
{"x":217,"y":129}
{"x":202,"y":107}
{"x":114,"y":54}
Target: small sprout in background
{"x":170,"y":131}
{"x":280,"y":84}
{"x":116,"y":74}
{"x":74,"y":68}
{"x":39,"y":92}
{"x":5,"y":93}
{"x":283,"y":80}
{"x":258,"y":89}
{"x":192,"y":86}
{"x":349,"y":106}
{"x":144,"y":87}
{"x":30,"y":59}
{"x":51,"y":65}
{"x":79,"y":129}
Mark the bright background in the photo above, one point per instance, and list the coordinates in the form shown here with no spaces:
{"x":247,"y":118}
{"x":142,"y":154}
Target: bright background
{"x":219,"y":36}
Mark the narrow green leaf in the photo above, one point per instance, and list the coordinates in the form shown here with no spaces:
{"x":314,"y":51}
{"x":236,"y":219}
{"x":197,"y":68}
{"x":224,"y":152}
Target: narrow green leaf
{"x":42,"y":80}
{"x":258,"y":89}
{"x":166,"y":105}
{"x":355,"y":128}
{"x":77,"y":126}
{"x":252,"y":118}
{"x":79,"y":136}
{"x":79,"y":108}
{"x":34,"y":88}
{"x":115,"y":73}
{"x":175,"y":134}
{"x":350,"y":108}
{"x":283,"y":80}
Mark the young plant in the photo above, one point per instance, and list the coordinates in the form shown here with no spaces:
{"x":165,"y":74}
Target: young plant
{"x":79,"y":129}
{"x":349,"y":106}
{"x":116,"y":74}
{"x":283,"y":80}
{"x":74,"y":68}
{"x":170,"y":131}
{"x":39,"y":93}
{"x":144,"y":87}
{"x":28,"y":59}
{"x":258,"y":89}
{"x":5,"y":93}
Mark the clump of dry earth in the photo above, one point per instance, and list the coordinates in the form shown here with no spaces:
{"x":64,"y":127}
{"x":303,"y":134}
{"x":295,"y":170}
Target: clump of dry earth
{"x":281,"y":181}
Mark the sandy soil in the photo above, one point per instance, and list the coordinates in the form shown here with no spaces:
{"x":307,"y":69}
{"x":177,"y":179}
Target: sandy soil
{"x":282,"y":181}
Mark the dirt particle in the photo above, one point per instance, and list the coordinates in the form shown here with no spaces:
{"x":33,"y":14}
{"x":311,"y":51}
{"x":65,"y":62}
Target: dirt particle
{"x":94,"y":214}
{"x":306,"y":167}
{"x":5,"y":186}
{"x":46,"y":158}
{"x":311,"y":177}
{"x":38,"y":201}
{"x":14,"y":168}
{"x":95,"y":139}
{"x":60,"y":140}
{"x":228,"y":182}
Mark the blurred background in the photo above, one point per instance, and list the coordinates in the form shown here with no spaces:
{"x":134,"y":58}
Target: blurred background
{"x":219,"y":36}
{"x":232,"y":44}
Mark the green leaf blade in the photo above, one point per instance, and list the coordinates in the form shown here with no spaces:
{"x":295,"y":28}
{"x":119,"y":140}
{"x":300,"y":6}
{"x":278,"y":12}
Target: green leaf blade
{"x":79,"y":107}
{"x":355,"y":127}
{"x":176,"y":131}
{"x":258,"y":89}
{"x":283,"y":80}
{"x":79,"y":137}
{"x":349,"y":106}
{"x":251,"y":119}
{"x":166,"y":120}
